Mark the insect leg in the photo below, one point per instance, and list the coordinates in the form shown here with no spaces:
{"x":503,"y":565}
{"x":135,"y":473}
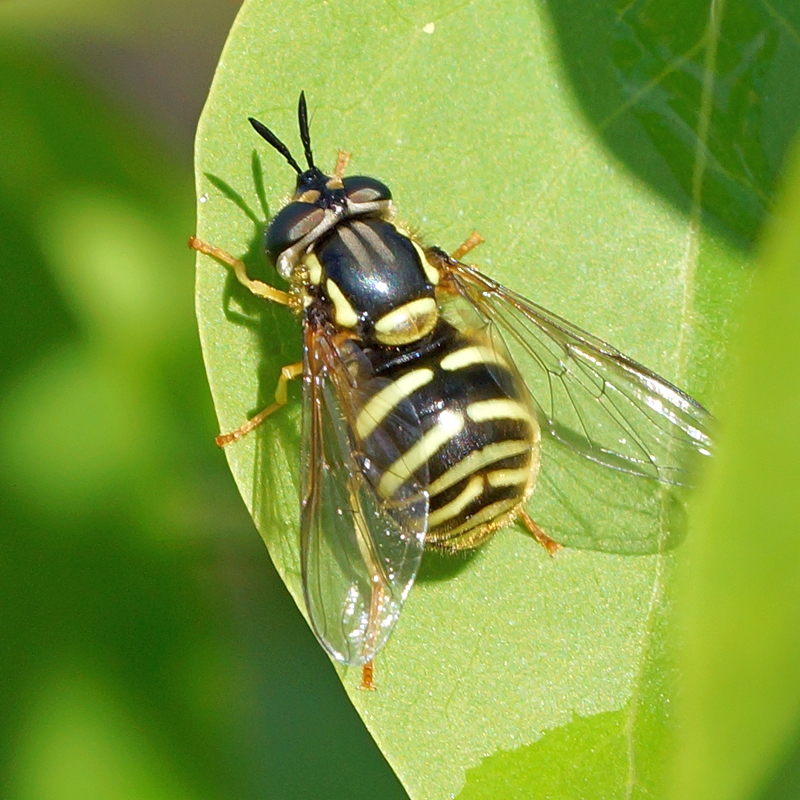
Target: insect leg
{"x":258,"y":288}
{"x":551,"y":545}
{"x":368,"y":676}
{"x":341,"y":164}
{"x":288,"y":372}
{"x":376,"y":601}
{"x":470,"y":243}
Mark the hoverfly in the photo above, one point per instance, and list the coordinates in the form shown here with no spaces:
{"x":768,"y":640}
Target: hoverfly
{"x":419,"y":427}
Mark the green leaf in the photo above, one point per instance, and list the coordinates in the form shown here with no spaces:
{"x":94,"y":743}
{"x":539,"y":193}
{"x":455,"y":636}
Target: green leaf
{"x":615,"y":182}
{"x":742,"y":692}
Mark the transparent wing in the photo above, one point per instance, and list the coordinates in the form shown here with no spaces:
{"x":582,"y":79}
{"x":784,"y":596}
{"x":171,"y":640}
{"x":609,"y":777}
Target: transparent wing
{"x":595,"y":406}
{"x":589,"y":396}
{"x":360,"y":554}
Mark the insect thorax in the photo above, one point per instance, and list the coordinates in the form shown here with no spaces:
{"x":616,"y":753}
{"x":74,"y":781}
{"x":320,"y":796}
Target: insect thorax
{"x":372,"y":279}
{"x":336,"y":240}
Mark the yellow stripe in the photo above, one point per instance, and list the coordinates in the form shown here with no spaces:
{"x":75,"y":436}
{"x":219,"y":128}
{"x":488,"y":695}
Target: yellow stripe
{"x":484,"y":516}
{"x":314,"y":268}
{"x":508,"y":477}
{"x":477,"y":460}
{"x":450,"y":423}
{"x":468,"y":356}
{"x":388,"y":398}
{"x":473,"y":491}
{"x":430,"y":271}
{"x":408,"y":322}
{"x":497,"y":409}
{"x":344,"y":313}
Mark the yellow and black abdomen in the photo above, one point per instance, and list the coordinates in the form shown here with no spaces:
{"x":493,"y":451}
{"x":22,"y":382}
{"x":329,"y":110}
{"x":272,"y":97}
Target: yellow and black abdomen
{"x":476,"y":447}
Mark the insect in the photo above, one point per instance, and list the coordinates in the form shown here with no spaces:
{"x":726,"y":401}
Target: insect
{"x":420,"y":429}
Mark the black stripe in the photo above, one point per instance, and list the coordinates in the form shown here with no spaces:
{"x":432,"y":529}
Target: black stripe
{"x":490,"y":495}
{"x":443,"y":498}
{"x":454,"y":390}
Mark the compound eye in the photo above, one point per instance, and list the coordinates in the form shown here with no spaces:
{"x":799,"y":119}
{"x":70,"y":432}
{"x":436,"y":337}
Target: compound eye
{"x":362,"y":189}
{"x":289,"y":226}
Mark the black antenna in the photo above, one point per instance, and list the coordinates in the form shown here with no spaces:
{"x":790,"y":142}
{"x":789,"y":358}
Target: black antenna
{"x":263,"y":131}
{"x":302,"y":119}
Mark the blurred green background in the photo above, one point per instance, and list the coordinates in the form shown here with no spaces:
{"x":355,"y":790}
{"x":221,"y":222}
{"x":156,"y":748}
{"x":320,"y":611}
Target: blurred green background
{"x":148,"y":648}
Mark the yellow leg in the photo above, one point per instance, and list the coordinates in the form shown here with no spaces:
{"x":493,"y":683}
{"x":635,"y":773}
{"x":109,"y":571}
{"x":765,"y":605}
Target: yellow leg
{"x":470,"y":243}
{"x":368,"y":677}
{"x":289,"y":372}
{"x":341,"y":164}
{"x":551,"y":545}
{"x":258,"y":288}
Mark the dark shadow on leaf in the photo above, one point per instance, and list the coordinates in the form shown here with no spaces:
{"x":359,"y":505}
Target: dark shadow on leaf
{"x":258,"y":183}
{"x":279,"y":341}
{"x":583,"y":505}
{"x":638,"y":71}
{"x":784,"y":781}
{"x":441,"y":566}
{"x":234,"y":197}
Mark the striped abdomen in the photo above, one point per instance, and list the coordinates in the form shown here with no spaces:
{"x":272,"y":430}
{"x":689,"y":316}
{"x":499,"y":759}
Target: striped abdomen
{"x":478,"y":439}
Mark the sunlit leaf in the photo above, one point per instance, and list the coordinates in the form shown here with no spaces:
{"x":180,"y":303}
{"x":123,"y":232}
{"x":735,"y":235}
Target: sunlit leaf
{"x":500,"y":120}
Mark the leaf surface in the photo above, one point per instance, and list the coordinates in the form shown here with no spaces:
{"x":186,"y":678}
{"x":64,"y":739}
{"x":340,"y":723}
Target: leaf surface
{"x":588,"y":146}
